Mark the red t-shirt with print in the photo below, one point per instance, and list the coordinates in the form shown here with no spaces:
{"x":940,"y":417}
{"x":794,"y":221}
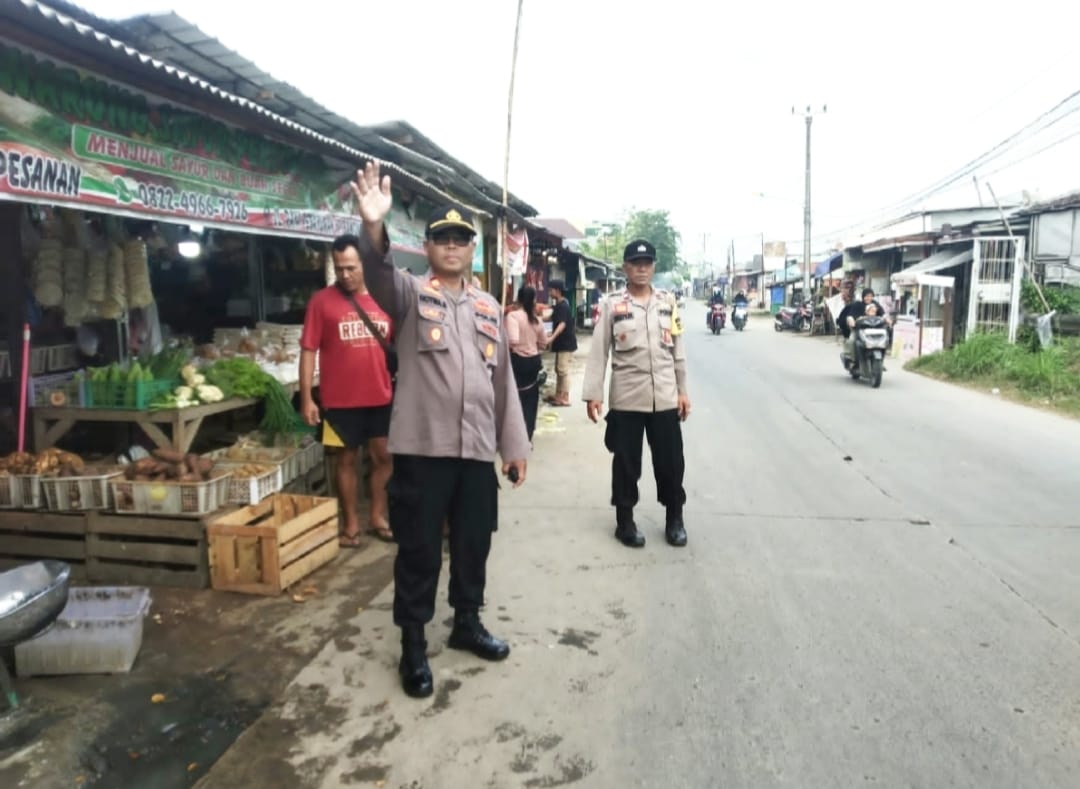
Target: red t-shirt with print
{"x":352,"y":364}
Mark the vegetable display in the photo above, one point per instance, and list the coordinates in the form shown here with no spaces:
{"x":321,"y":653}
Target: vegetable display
{"x":170,"y":465}
{"x":242,"y":377}
{"x":52,"y":462}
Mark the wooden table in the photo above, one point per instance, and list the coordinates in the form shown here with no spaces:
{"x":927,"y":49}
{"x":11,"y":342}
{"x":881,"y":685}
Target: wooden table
{"x":51,"y":423}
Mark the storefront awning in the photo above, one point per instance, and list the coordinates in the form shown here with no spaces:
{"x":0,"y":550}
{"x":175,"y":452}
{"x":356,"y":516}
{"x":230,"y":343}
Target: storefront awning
{"x":834,"y":261}
{"x":946,"y":258}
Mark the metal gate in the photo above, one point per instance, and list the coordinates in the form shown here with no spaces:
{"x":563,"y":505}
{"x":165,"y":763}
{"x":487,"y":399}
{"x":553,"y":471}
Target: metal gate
{"x":996,"y":270}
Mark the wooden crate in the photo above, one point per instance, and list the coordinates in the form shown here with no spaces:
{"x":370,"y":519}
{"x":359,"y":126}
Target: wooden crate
{"x":143,"y":550}
{"x":25,"y":536}
{"x":267,"y":547}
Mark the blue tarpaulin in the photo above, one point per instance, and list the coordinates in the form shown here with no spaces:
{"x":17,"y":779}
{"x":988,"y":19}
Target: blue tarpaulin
{"x":828,"y":264}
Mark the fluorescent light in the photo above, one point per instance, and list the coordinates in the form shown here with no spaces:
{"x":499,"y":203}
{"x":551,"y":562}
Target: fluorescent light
{"x":189,"y":248}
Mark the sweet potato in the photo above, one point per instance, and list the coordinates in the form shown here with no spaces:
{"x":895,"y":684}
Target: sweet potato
{"x":192,"y":463}
{"x":169,"y":455}
{"x":130,"y":471}
{"x":206,"y":467}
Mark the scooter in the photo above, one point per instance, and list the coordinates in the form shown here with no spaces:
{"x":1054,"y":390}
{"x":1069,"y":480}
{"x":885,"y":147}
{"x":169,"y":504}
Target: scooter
{"x":738,"y":316}
{"x":717,"y":318}
{"x":794,"y":318}
{"x":871,"y":341}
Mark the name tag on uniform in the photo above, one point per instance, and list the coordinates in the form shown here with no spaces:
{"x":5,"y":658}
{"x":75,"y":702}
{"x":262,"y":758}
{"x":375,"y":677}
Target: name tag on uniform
{"x":437,"y":301}
{"x":624,"y":317}
{"x":665,"y":312}
{"x":489,"y":318}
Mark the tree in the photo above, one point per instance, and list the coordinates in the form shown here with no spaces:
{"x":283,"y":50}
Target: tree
{"x":652,"y":225}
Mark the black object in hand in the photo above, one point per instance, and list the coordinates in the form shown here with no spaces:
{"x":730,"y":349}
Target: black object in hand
{"x":512,"y":475}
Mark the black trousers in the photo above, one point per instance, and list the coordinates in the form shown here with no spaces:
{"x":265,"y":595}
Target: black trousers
{"x":623,"y":440}
{"x":526,"y":372}
{"x":423,"y":492}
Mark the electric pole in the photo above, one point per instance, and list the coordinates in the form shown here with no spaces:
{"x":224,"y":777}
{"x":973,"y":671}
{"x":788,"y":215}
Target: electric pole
{"x":809,"y":115}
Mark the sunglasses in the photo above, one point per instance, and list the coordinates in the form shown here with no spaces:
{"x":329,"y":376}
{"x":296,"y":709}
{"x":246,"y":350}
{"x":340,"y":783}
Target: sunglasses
{"x":444,"y":238}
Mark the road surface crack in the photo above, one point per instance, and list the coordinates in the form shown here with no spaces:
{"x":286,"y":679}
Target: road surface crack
{"x":1019,"y":595}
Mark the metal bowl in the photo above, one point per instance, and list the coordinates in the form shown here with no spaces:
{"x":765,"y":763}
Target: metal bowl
{"x":31,"y":598}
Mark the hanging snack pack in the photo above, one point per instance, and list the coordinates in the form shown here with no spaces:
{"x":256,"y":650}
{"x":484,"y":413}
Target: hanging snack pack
{"x":115,"y":303}
{"x":137,"y":272}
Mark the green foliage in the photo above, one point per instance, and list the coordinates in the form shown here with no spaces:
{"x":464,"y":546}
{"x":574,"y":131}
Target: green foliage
{"x":1051,"y":374}
{"x":652,"y":225}
{"x":1065,"y":299}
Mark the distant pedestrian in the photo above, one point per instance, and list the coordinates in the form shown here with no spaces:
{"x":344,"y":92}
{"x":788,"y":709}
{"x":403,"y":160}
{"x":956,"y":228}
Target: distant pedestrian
{"x":527,"y":339}
{"x":563,"y":341}
{"x":640,"y":329}
{"x":456,"y":405}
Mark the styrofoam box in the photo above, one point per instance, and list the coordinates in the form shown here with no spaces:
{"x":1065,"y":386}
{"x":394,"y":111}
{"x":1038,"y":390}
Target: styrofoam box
{"x":99,"y":632}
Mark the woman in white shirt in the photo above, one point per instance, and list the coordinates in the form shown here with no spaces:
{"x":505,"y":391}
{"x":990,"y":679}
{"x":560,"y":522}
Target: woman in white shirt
{"x":527,"y":339}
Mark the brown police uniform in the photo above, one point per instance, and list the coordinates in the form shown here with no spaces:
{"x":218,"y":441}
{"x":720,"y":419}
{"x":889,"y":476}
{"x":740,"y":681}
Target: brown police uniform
{"x":648,"y":373}
{"x":456,"y":405}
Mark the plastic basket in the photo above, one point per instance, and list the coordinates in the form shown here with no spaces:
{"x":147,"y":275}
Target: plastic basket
{"x":62,"y":357}
{"x":39,"y":361}
{"x":252,"y":490}
{"x":289,"y":459}
{"x":42,"y":387}
{"x":100,"y":631}
{"x":186,"y":499}
{"x":135,"y":395}
{"x":79,"y":494}
{"x":311,"y":456}
{"x":20,"y":492}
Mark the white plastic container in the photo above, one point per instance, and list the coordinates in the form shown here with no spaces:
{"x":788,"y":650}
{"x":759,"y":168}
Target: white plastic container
{"x":99,"y":632}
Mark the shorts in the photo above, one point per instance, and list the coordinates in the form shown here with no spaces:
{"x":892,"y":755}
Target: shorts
{"x":352,"y":428}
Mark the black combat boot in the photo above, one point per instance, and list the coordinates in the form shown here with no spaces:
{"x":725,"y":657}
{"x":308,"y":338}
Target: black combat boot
{"x":626,"y":530}
{"x":415,"y":672}
{"x":470,"y":635}
{"x":673,"y":528}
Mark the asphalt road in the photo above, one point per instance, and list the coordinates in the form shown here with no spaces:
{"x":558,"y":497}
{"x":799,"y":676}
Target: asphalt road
{"x":882,"y":587}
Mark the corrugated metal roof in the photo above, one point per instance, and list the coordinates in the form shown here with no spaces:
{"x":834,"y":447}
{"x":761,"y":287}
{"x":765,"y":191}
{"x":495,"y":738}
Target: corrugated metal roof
{"x":173,"y":39}
{"x":52,"y":22}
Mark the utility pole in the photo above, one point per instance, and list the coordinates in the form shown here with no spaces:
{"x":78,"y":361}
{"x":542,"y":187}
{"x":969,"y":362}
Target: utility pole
{"x":502,"y":224}
{"x":809,"y":115}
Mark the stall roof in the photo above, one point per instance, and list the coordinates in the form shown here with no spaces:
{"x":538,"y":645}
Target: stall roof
{"x":57,"y":34}
{"x":940,"y":260}
{"x":68,"y":33}
{"x":175,"y":40}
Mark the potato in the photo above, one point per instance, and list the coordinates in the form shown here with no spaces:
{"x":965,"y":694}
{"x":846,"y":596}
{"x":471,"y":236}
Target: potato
{"x":206,"y":465}
{"x":192,"y":463}
{"x":145,"y":466}
{"x":130,"y":471}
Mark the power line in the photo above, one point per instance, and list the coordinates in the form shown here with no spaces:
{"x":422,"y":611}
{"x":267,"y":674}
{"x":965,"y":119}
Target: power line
{"x":995,"y":152}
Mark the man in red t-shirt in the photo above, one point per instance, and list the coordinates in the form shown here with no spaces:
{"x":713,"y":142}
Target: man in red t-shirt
{"x":354,"y":385}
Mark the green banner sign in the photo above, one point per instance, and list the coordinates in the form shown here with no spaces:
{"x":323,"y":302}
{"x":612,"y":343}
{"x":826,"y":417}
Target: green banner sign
{"x":69,"y":138}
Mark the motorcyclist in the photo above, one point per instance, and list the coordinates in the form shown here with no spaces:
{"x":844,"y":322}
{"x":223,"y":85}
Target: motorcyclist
{"x":717,"y":297}
{"x":851,"y":313}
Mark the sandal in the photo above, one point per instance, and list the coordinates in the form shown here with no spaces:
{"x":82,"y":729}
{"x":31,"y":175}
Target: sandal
{"x":383,"y":533}
{"x":349,"y":540}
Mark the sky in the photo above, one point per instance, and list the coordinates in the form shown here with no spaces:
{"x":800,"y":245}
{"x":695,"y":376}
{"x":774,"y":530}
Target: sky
{"x":687,"y":106}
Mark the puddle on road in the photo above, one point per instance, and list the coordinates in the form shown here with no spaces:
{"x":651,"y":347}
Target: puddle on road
{"x":172,"y":743}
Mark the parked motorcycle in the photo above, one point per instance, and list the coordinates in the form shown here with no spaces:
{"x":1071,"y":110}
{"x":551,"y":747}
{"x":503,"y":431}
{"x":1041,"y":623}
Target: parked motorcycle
{"x":871,"y":340}
{"x":794,"y":318}
{"x":717,"y":318}
{"x":738,"y":316}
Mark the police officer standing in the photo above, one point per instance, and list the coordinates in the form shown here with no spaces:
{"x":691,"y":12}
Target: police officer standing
{"x":640,"y":329}
{"x":456,"y":405}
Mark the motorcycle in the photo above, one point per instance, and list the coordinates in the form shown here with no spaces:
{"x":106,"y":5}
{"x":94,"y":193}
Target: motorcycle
{"x":738,"y":316}
{"x":794,"y":318}
{"x":871,"y":340}
{"x":717,"y":318}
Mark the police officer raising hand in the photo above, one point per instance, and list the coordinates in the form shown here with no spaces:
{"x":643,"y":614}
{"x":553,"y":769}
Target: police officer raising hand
{"x":455,"y":407}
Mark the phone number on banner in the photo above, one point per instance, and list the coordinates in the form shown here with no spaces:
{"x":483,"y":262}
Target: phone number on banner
{"x":164,"y":198}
